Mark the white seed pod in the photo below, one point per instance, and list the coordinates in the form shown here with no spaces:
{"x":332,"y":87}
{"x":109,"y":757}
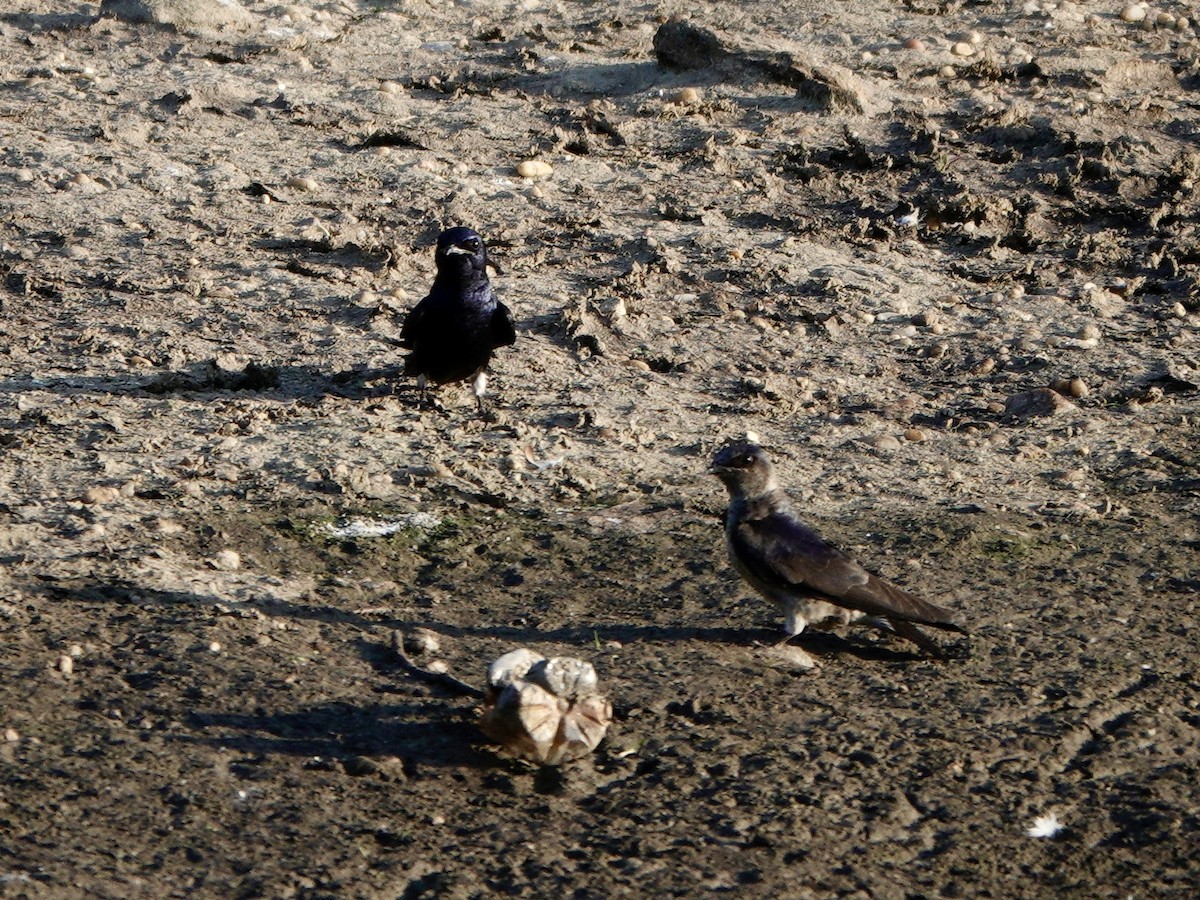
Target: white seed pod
{"x":564,"y":676}
{"x":525,"y":719}
{"x":512,"y":666}
{"x":545,"y":710}
{"x":582,"y":729}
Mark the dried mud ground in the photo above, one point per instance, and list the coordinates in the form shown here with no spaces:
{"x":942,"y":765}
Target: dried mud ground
{"x":208,"y":242}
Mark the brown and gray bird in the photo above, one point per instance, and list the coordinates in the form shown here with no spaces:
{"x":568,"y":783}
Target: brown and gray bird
{"x":453,"y":331}
{"x":811,"y":581}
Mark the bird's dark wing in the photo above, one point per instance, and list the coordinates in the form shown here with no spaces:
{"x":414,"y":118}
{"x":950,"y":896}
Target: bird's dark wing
{"x":778,"y":548}
{"x":411,"y":328}
{"x":503,"y":331}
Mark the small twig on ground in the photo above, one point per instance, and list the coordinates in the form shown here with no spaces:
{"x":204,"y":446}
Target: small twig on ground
{"x":445,"y":679}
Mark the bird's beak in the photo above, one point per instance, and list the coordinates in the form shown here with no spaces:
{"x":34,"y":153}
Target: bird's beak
{"x":457,"y":250}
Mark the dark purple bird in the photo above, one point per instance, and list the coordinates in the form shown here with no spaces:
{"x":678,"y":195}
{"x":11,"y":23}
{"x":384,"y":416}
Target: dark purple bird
{"x":453,"y":331}
{"x":811,"y":581}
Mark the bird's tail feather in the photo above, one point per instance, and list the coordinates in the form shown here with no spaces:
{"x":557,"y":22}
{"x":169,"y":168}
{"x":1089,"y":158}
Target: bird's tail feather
{"x":913,"y":608}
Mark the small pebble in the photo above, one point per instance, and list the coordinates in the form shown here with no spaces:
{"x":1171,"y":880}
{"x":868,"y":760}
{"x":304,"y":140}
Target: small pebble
{"x":229,"y":560}
{"x":423,"y":640}
{"x":95,"y":496}
{"x":948,"y":72}
{"x":214,"y":647}
{"x":66,"y":664}
{"x":928,"y":317}
{"x":1036,"y":403}
{"x":885,"y":442}
{"x":963,"y":48}
{"x":534,"y":168}
{"x":914,"y":44}
{"x":1182,"y":23}
{"x":687,"y":96}
{"x":1135,"y":12}
{"x":792,"y":657}
{"x":914,"y":434}
{"x":301,"y":183}
{"x":23,"y":176}
{"x":11,"y":735}
{"x":390,"y":87}
{"x":1077,"y":388}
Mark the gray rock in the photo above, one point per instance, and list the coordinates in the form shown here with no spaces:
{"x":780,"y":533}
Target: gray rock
{"x":682,"y":46}
{"x":1035,"y":403}
{"x":183,"y":14}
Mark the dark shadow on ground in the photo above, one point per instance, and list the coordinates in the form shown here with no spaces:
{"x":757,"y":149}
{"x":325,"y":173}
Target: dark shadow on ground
{"x":353,"y":738}
{"x":816,"y":643}
{"x":207,"y":379}
{"x":53,"y":22}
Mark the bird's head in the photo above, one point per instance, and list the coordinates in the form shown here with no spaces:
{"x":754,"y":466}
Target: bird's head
{"x":460,"y":250}
{"x":745,"y":470}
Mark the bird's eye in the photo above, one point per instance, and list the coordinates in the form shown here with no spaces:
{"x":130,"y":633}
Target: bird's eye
{"x":746,"y":460}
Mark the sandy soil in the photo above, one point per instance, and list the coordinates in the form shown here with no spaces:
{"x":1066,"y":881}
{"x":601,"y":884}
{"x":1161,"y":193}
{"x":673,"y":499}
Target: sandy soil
{"x":208,"y":240}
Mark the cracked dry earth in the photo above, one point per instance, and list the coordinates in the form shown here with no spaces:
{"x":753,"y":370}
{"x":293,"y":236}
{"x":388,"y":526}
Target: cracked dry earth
{"x":955,"y":295}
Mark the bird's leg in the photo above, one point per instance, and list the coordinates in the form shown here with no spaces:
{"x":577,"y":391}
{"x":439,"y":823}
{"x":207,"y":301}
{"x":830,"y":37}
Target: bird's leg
{"x":478,"y":388}
{"x":793,"y":622}
{"x":422,"y":391}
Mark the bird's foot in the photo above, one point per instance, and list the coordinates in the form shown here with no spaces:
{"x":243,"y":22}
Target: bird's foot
{"x":423,"y":401}
{"x":479,"y":388}
{"x":775,"y":645}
